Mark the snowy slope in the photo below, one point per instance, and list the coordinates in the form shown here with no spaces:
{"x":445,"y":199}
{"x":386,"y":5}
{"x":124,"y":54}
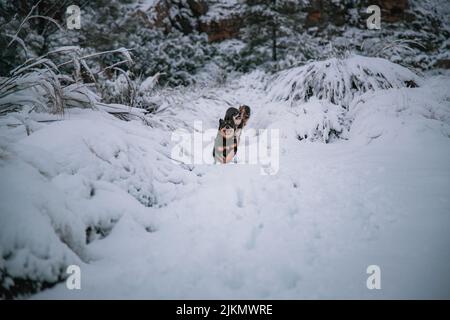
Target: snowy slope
{"x":380,"y":196}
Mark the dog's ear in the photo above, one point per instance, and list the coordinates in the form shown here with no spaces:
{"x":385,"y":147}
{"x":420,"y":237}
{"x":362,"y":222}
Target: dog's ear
{"x":220,"y":122}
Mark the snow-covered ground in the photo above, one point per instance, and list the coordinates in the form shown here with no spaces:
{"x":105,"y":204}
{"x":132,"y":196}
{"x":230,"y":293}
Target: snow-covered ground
{"x":164,"y":230}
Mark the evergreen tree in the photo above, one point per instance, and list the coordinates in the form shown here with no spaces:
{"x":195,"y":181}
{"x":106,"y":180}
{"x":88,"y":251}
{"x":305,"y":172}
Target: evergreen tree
{"x":269,"y":25}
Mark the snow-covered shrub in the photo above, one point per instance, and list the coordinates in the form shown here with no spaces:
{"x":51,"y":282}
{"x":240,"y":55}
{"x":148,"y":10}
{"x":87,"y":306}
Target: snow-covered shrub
{"x":313,"y":121}
{"x":121,"y":89}
{"x":136,"y":93}
{"x":180,"y":57}
{"x":40,"y":83}
{"x":319,"y":120}
{"x":393,"y":50}
{"x":175,"y":55}
{"x":339,"y":80}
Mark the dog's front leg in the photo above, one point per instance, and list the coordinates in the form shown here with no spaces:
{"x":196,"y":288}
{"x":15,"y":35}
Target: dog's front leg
{"x":229,"y":156}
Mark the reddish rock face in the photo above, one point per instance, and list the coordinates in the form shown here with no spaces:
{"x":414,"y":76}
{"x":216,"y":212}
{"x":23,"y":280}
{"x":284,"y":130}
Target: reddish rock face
{"x":392,"y":10}
{"x":223,"y":29}
{"x":320,"y":13}
{"x":313,"y":18}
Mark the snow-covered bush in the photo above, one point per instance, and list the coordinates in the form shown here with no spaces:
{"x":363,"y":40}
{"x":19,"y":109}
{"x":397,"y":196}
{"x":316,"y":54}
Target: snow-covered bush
{"x":339,"y":80}
{"x":319,"y":120}
{"x":41,"y":84}
{"x":313,"y":121}
{"x":68,"y":183}
{"x":137,"y":93}
{"x":179,"y":58}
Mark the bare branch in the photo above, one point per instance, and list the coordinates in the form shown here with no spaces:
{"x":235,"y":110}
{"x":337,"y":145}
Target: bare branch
{"x":23,"y":22}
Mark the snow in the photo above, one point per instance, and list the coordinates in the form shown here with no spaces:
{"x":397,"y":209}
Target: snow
{"x":220,"y":9}
{"x":145,"y":5}
{"x":85,"y":171}
{"x":377,"y":194}
{"x":149,"y":83}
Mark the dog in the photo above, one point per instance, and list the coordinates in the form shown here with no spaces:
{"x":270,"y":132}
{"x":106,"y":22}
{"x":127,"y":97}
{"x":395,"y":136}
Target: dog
{"x":225,"y":145}
{"x":240,"y":118}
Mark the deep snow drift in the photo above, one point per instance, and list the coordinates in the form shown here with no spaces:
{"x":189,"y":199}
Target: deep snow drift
{"x":104,"y":194}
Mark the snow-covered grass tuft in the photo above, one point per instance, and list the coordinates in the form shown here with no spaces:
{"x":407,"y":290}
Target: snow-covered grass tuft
{"x":339,"y":80}
{"x":40,"y":83}
{"x":36,"y":84}
{"x":137,"y":93}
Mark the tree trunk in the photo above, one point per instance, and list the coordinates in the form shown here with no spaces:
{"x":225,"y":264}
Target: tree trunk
{"x":274,"y":32}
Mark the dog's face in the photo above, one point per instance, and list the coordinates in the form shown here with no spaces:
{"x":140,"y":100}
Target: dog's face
{"x":233,"y":113}
{"x":226,"y":128}
{"x":237,"y":119}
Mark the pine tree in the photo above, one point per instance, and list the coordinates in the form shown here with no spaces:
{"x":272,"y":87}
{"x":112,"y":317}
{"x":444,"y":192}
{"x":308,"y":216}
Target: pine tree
{"x":270,"y":23}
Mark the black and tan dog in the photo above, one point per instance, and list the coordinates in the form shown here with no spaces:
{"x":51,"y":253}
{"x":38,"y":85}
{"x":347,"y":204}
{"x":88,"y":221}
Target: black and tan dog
{"x":225,"y":145}
{"x":240,"y":118}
